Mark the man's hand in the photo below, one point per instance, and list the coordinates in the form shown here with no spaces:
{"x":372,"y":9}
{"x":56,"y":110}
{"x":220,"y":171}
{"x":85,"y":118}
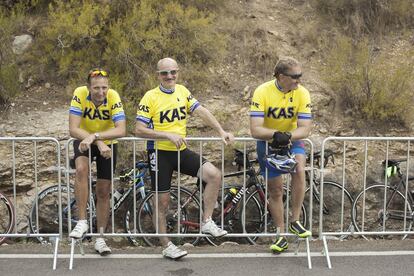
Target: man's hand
{"x":104,"y":149}
{"x":85,"y":144}
{"x":227,"y":137}
{"x":176,"y":139}
{"x":280,"y":139}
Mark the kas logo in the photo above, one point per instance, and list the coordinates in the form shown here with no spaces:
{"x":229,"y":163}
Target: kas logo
{"x":96,"y":114}
{"x":176,"y":114}
{"x":278,"y":112}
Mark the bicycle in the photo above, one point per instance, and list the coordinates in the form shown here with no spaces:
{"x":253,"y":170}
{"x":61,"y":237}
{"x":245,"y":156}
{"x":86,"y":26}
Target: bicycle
{"x":7,"y":217}
{"x":381,"y":207}
{"x":44,"y":215}
{"x":232,"y":211}
{"x":332,"y":203}
{"x":337,"y":199}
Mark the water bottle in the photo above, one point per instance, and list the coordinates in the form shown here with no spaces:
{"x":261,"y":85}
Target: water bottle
{"x":238,"y":195}
{"x":229,"y":196}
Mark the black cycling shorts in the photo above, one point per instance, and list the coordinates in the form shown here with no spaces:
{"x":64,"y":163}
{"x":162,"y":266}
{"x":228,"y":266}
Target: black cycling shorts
{"x":103,"y":166}
{"x":168,"y":163}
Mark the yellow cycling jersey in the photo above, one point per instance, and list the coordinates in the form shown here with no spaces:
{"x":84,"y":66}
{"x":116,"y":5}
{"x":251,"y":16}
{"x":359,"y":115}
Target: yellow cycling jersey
{"x":166,"y":110}
{"x":281,"y":111}
{"x":96,"y":119}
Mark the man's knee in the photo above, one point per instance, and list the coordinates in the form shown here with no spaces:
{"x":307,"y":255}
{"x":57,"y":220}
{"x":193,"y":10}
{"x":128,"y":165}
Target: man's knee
{"x":211,"y":174}
{"x":103,"y":189}
{"x":82,"y":168}
{"x":275,"y":188}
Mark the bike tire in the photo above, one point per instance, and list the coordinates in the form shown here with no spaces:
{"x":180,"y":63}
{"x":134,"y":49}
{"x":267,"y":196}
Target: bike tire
{"x":146,"y":212}
{"x":130,"y":226}
{"x":48,"y":211}
{"x":374,"y":214}
{"x":7,"y":217}
{"x":332,"y":209}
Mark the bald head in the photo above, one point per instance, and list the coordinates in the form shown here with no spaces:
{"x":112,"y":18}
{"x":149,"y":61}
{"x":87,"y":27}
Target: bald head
{"x":167,"y":64}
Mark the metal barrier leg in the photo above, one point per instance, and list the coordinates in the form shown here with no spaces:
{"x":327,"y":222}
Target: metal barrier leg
{"x":308,"y":253}
{"x":55,"y":255}
{"x":325,"y":248}
{"x":297,"y":242}
{"x":72,"y":252}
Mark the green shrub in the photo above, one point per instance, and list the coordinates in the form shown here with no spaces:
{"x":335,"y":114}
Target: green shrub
{"x":150,"y":31}
{"x":375,"y":86}
{"x":368,"y":16}
{"x":9,"y":74}
{"x":72,"y":41}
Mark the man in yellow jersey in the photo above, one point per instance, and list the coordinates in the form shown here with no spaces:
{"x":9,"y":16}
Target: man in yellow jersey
{"x":96,"y":116}
{"x":162,"y":114}
{"x":280,"y":114}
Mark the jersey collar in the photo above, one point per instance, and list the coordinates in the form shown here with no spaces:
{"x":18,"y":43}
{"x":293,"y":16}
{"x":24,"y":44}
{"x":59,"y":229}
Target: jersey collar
{"x":90,"y":99}
{"x":165,"y":90}
{"x":280,"y":87}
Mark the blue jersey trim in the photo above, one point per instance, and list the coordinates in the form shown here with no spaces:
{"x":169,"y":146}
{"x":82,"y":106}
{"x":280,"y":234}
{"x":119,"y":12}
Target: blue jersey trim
{"x":119,"y":117}
{"x":194,"y":106}
{"x":256,"y":114}
{"x":304,"y":116}
{"x":75,"y":111}
{"x":143,"y":119}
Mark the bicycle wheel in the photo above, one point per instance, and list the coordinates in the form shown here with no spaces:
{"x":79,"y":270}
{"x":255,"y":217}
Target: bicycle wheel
{"x":375,"y":218}
{"x":6,"y":217}
{"x":47,"y":218}
{"x":255,"y":224}
{"x":130,"y":226}
{"x":253,"y":217}
{"x":146,"y":215}
{"x":333,"y":221}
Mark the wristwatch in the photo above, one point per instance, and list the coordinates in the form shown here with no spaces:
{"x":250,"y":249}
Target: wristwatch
{"x":97,"y":135}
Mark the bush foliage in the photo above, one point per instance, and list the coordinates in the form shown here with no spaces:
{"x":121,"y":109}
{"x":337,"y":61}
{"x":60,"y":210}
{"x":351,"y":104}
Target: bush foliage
{"x":368,"y":16}
{"x":374,"y":85}
{"x":9,"y":85}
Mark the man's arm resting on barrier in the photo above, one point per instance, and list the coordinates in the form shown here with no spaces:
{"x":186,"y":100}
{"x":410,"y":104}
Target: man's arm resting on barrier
{"x":211,"y":121}
{"x":258,"y":131}
{"x":141,"y":130}
{"x":87,"y":138}
{"x":303,"y":130}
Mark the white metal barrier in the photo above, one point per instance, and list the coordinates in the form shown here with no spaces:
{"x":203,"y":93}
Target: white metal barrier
{"x":380,"y":208}
{"x":22,"y":148}
{"x":182,"y":225}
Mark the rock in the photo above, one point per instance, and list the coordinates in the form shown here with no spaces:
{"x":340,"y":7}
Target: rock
{"x":30,"y":82}
{"x":47,"y":85}
{"x":345,"y":132}
{"x":21,"y":43}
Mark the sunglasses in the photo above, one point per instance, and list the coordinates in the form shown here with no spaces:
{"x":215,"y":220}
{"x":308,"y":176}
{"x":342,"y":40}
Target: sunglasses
{"x":165,"y":73}
{"x":295,"y":77}
{"x":96,"y":73}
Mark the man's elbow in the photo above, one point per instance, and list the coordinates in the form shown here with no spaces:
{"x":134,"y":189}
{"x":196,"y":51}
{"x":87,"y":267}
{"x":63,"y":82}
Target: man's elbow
{"x":253,"y":133}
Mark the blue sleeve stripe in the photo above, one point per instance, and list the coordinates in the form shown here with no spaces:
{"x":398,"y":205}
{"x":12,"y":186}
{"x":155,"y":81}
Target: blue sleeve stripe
{"x":143,"y":119}
{"x":256,"y":114}
{"x":120,"y":117}
{"x":119,"y":114}
{"x":304,"y":116}
{"x":75,"y":111}
{"x":194,"y":106}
